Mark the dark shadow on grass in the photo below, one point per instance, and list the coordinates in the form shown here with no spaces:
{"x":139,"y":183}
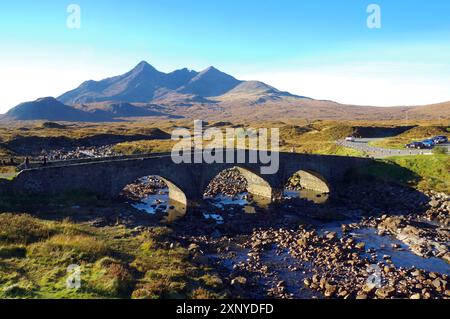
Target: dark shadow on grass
{"x":11,"y":202}
{"x":384,"y":171}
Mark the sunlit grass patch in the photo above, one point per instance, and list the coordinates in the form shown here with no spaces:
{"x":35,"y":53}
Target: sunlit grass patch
{"x":23,"y":229}
{"x":424,"y":172}
{"x":80,"y":246}
{"x":8,"y":172}
{"x":434,"y":171}
{"x":115,"y":262}
{"x":144,"y":147}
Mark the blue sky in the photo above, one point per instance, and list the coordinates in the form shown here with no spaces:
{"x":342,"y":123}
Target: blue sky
{"x":320,"y":48}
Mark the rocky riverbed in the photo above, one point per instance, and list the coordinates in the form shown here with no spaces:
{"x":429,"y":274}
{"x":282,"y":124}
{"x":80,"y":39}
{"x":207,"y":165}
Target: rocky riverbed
{"x":144,"y":187}
{"x":379,"y":242}
{"x":291,"y":255}
{"x":228,"y":183}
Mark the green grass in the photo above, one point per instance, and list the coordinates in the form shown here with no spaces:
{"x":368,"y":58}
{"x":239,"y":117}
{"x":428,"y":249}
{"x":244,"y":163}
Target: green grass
{"x":144,"y":147}
{"x":8,"y":172}
{"x":424,"y":172}
{"x":8,"y":176}
{"x":440,"y":150}
{"x":341,"y":151}
{"x":434,"y":171}
{"x":115,"y":262}
{"x":317,"y":138}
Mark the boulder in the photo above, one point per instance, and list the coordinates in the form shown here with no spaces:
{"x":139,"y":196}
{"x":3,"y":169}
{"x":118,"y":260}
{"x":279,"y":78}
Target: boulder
{"x":239,"y":281}
{"x":385,"y":292}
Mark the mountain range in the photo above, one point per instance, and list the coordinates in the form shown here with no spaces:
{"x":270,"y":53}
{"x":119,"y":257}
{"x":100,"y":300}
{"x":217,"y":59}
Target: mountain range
{"x":210,"y":94}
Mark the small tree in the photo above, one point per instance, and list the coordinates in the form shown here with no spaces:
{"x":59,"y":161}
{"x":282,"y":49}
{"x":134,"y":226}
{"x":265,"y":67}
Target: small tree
{"x":440,"y":150}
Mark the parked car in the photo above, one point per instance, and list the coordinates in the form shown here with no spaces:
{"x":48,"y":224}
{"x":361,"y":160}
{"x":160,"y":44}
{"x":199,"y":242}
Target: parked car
{"x":428,"y":143}
{"x":416,"y":145}
{"x":440,"y":139}
{"x":350,"y":139}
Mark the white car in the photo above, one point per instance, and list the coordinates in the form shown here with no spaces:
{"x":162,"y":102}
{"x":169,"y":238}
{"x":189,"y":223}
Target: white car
{"x":350,"y":139}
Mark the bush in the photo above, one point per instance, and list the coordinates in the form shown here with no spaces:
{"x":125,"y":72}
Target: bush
{"x":85,"y":247}
{"x":440,"y":150}
{"x":155,"y":289}
{"x":203,"y":294}
{"x":16,"y":291}
{"x":115,"y":279}
{"x":22,"y":229}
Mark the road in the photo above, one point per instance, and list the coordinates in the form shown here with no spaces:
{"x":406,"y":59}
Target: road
{"x":362,"y":144}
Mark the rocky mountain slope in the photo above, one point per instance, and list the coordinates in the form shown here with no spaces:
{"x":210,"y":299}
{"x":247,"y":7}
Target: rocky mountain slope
{"x":210,"y":94}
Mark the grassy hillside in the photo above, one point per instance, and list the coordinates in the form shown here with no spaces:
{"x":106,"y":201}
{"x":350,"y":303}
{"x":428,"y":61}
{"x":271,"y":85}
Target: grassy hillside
{"x":81,"y":130}
{"x":316,"y":138}
{"x":144,"y":147}
{"x":422,"y":171}
{"x":302,"y":136}
{"x":434,"y":171}
{"x":115,"y":262}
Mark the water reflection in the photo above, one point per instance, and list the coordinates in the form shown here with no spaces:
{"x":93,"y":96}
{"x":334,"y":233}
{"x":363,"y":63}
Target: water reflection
{"x":153,"y":204}
{"x":307,"y":194}
{"x":221,"y":201}
{"x":246,"y":202}
{"x":218,"y":218}
{"x":401,"y":258}
{"x":383,"y":245}
{"x":161,"y":203}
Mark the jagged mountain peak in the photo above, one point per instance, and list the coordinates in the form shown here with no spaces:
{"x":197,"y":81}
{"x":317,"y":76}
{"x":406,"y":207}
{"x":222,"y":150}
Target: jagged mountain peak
{"x":143,"y":66}
{"x":210,"y":82}
{"x":211,"y":69}
{"x":143,"y":63}
{"x":144,"y":84}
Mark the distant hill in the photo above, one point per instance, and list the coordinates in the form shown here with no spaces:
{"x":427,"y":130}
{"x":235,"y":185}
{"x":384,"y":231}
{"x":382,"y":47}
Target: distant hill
{"x":50,"y":109}
{"x":436,"y":111}
{"x":210,"y":95}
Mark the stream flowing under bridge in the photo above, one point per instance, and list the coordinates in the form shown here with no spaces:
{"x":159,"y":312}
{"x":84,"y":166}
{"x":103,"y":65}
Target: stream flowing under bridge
{"x":187,"y":182}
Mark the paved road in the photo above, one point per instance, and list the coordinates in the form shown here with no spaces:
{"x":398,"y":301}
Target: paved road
{"x":362,"y":144}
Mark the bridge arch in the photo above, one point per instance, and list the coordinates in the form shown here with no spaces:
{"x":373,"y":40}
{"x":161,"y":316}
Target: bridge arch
{"x":177,"y":201}
{"x":256,"y":185}
{"x":310,"y":180}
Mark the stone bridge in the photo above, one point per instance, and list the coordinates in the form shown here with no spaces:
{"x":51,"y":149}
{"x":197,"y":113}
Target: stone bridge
{"x":187,"y":182}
